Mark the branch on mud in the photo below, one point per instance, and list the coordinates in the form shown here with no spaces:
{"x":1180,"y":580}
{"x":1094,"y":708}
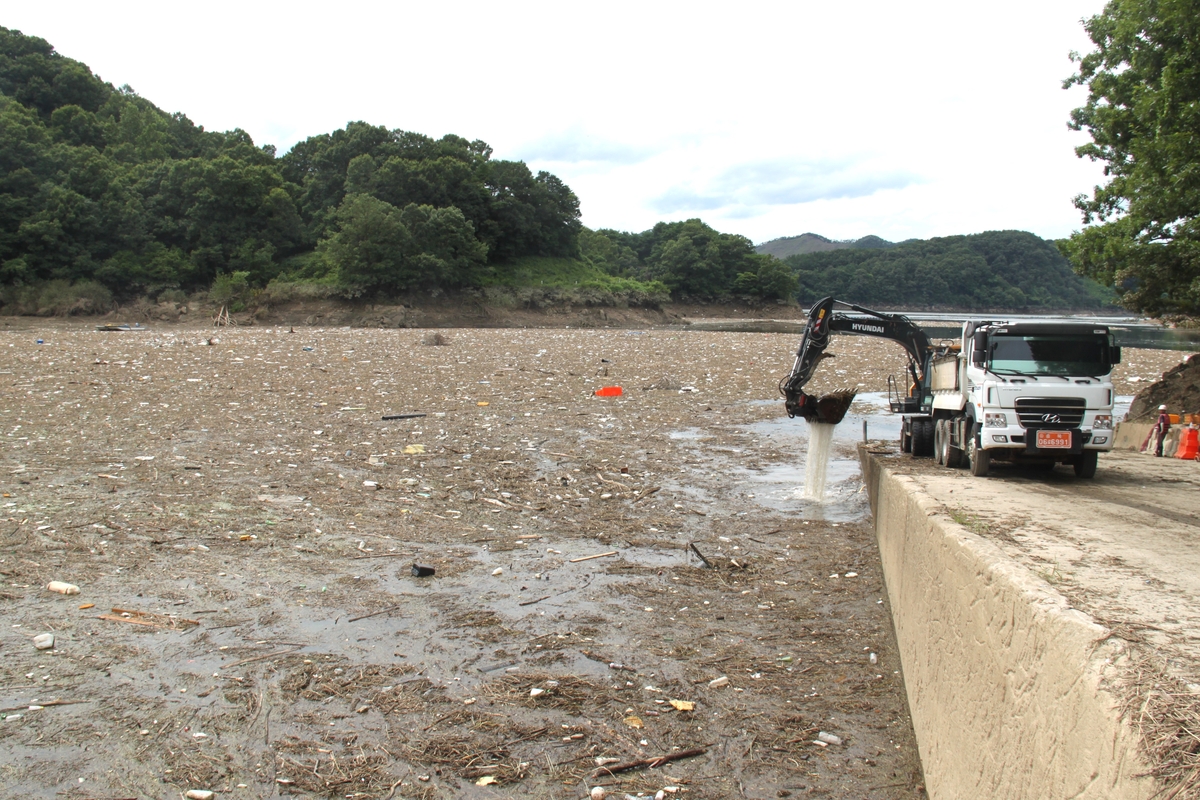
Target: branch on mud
{"x":696,"y":550}
{"x":387,"y":610}
{"x":650,"y":762}
{"x":260,"y":658}
{"x":646,"y":493}
{"x":38,"y":706}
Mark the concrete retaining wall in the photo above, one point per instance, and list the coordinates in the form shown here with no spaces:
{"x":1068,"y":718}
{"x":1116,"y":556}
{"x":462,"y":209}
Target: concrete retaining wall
{"x":1130,"y":435}
{"x":1003,"y":678}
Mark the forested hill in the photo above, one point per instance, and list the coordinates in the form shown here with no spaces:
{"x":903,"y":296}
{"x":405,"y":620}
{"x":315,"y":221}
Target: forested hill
{"x":104,"y":195}
{"x":993,"y":270}
{"x":105,"y":198}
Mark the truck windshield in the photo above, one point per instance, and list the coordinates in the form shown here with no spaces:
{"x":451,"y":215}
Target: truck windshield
{"x":1061,"y":354}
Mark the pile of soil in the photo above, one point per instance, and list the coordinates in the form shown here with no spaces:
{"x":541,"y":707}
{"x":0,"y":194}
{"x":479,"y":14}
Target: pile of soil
{"x":1178,"y":390}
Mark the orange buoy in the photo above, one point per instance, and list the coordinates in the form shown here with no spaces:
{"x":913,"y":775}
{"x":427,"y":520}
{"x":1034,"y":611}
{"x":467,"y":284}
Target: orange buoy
{"x":609,"y":391}
{"x":1189,"y":443}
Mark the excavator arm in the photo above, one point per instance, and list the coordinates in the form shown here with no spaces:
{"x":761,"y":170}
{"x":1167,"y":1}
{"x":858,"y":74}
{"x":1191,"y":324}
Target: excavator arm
{"x":827,"y":317}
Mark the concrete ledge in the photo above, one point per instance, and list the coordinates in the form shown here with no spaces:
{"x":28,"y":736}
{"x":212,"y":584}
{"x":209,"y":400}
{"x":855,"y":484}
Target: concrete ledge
{"x":1004,"y":679}
{"x":1130,"y":435}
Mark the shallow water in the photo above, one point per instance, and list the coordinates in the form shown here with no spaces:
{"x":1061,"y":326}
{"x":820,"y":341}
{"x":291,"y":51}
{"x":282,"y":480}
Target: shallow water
{"x":843,"y":499}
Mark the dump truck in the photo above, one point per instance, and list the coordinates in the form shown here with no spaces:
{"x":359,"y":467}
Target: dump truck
{"x":1036,"y":392}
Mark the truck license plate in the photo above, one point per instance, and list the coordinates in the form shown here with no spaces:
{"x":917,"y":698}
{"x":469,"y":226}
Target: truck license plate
{"x":1054,"y":440}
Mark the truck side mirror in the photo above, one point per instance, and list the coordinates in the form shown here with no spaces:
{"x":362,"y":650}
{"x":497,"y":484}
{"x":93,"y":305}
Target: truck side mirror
{"x":979,"y":348}
{"x":1116,"y":354}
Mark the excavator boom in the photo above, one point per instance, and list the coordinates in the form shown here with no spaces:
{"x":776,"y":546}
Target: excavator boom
{"x":830,"y":316}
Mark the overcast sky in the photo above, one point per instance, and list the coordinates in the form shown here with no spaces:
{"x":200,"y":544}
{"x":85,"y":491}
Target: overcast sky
{"x":767,"y":119}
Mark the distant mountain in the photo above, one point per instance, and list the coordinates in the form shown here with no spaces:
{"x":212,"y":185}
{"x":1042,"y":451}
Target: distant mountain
{"x":815,"y":243}
{"x":1013,"y":270}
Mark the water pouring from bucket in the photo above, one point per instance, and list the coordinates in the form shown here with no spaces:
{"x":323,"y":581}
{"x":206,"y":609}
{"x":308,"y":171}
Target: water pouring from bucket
{"x":823,"y":413}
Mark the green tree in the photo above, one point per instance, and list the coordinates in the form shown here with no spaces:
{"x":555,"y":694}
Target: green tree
{"x":772,"y":280}
{"x":606,"y":252}
{"x":1143,"y":115}
{"x":694,"y":260}
{"x":150,"y":272}
{"x":380,"y":248}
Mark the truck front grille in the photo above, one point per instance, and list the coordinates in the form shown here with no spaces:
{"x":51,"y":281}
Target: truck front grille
{"x":1050,"y":413}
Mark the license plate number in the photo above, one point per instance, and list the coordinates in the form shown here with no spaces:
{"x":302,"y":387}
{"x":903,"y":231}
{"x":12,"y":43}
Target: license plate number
{"x":1054,"y":440}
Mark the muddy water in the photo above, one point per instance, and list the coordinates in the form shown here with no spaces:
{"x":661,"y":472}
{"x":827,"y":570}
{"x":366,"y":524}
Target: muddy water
{"x":781,"y":487}
{"x":250,"y":485}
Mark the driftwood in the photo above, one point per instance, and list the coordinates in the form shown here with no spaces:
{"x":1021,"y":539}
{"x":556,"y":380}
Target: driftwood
{"x":387,"y":610}
{"x":598,"y":555}
{"x":146,"y":618}
{"x":264,"y":655}
{"x":651,"y":763}
{"x":696,"y":550}
{"x":646,"y":494}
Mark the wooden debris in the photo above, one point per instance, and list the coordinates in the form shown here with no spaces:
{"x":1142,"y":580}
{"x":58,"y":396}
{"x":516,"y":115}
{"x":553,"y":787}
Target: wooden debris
{"x":695,"y":550}
{"x":650,"y":762}
{"x":646,"y":493}
{"x":264,"y":655}
{"x":38,"y":706}
{"x":598,"y":555}
{"x":387,"y":610}
{"x":531,"y":602}
{"x":147,"y":618}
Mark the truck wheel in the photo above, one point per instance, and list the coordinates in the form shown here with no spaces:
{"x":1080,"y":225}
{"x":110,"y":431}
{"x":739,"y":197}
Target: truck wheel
{"x":905,"y":437}
{"x":939,"y":442}
{"x":981,"y":460}
{"x":922,"y":438}
{"x":1085,"y":464}
{"x":953,"y":456}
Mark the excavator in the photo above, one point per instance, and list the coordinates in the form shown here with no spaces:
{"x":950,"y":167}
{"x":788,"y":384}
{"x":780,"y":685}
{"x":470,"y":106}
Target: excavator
{"x":830,"y":316}
{"x":1027,"y":391}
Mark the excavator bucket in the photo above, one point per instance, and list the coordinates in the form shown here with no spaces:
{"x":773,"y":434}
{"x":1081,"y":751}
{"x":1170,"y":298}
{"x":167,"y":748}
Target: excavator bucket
{"x":828,"y":408}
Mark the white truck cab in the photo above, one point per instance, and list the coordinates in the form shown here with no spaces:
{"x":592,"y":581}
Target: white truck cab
{"x":1033,"y":391}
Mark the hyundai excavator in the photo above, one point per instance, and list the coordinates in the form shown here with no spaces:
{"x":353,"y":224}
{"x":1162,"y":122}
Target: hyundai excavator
{"x":1037,"y":392}
{"x":829,"y":316}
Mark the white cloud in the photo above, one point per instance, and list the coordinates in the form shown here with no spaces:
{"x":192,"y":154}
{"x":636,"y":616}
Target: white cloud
{"x":749,"y":190}
{"x":765,"y":118}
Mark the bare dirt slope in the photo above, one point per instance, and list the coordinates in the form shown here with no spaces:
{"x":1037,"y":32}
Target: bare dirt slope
{"x":242,"y":526}
{"x":1178,"y":390}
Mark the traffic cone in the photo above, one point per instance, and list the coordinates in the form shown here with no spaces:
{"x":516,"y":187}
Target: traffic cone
{"x":1189,"y":443}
